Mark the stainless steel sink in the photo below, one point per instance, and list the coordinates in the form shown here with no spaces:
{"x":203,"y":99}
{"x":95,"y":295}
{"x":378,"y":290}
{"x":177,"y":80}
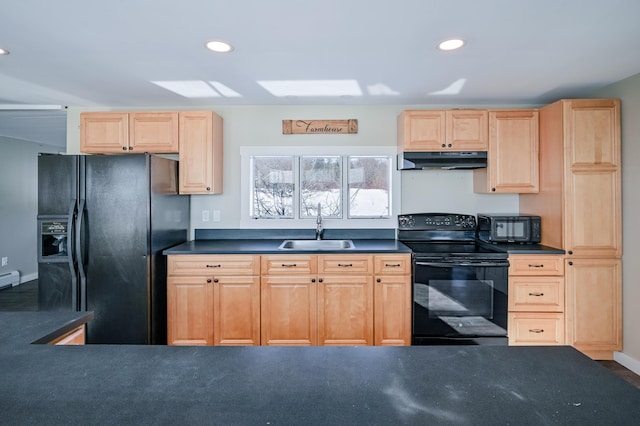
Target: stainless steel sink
{"x":312,"y":245}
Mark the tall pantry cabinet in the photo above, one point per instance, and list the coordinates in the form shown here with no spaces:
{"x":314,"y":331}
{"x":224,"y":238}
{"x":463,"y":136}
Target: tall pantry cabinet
{"x":580,"y":205}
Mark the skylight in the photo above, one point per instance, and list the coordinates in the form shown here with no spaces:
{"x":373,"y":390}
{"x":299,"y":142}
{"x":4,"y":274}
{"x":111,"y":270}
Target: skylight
{"x":310,"y":88}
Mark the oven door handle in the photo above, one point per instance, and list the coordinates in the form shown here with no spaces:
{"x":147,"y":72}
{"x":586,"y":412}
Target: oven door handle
{"x":450,"y":264}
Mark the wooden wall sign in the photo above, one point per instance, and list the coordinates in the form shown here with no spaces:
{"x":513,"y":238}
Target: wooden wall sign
{"x":308,"y":127}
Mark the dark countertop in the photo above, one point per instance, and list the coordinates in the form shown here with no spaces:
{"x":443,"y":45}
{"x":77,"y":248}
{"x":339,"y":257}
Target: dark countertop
{"x":461,"y":385}
{"x":270,"y":246}
{"x":523,"y":248}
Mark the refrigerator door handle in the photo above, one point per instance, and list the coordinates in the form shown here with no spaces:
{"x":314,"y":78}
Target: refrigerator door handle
{"x":79,"y":260}
{"x":71,"y":259}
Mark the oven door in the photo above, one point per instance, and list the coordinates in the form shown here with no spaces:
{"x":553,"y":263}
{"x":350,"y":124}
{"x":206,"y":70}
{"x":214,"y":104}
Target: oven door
{"x":460,"y":302}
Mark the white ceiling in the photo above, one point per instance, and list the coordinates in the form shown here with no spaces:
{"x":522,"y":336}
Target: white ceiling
{"x":87,"y":53}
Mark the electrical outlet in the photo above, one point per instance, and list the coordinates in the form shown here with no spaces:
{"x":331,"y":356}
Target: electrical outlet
{"x":5,"y":261}
{"x":216,"y":215}
{"x":205,"y":215}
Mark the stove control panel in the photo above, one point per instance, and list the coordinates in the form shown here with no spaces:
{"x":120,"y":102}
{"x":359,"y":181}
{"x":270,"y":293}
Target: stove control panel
{"x":437,"y":221}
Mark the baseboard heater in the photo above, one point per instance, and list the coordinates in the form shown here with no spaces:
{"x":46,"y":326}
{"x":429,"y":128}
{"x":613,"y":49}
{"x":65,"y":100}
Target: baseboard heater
{"x":9,"y":279}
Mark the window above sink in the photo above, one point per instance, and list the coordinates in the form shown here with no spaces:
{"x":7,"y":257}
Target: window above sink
{"x":355,"y":186}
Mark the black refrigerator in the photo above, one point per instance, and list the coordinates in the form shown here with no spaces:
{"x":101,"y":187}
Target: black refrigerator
{"x":103,"y":221}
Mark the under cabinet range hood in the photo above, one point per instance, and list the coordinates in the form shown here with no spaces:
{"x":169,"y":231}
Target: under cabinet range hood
{"x":448,"y":160}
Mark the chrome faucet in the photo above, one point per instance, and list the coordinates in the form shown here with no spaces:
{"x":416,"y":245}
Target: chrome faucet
{"x":319,"y":227}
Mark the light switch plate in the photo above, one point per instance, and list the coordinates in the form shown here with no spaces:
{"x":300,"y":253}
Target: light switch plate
{"x":216,"y":215}
{"x":205,"y":215}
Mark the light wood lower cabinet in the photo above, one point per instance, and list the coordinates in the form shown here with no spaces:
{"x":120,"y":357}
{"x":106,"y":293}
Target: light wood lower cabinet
{"x":77,"y":336}
{"x":288,"y":310}
{"x":392,"y":300}
{"x":594,"y":306}
{"x":190,"y":310}
{"x":317,"y":300}
{"x":289,"y":300}
{"x":536,"y":300}
{"x":213,"y":300}
{"x":336,"y":300}
{"x":345,"y":300}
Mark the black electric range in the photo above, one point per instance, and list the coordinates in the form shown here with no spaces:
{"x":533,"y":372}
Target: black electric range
{"x":460,"y":287}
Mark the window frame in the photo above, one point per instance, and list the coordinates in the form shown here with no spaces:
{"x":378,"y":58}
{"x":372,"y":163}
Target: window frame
{"x":246,"y":152}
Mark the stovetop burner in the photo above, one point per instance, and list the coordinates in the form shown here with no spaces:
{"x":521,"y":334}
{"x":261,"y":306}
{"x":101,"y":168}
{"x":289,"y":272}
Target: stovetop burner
{"x":433,"y":235}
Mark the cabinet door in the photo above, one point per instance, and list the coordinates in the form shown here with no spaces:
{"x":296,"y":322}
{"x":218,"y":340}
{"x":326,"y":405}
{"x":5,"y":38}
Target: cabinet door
{"x":288,"y":310}
{"x":154,"y":132}
{"x":345,"y":310}
{"x":467,"y":130}
{"x":104,"y":132}
{"x":189,"y":311}
{"x":594,"y":306}
{"x":422,"y":131}
{"x":513,"y":163}
{"x":200,"y":152}
{"x":593,"y":219}
{"x":392,"y":307}
{"x":236,"y":312}
{"x":592,"y":132}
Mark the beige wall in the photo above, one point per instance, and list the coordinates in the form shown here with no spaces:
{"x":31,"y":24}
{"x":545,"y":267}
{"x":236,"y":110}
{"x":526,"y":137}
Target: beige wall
{"x":628,"y":91}
{"x":424,"y":190}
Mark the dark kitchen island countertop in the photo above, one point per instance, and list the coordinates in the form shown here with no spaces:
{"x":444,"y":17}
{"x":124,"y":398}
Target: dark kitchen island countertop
{"x":150,"y":385}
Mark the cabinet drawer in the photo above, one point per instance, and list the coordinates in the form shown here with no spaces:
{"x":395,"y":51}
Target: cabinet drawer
{"x":204,"y":264}
{"x":540,"y":294}
{"x":289,"y":264}
{"x":536,"y":265}
{"x":345,"y":264}
{"x":398,"y":264}
{"x":536,"y":329}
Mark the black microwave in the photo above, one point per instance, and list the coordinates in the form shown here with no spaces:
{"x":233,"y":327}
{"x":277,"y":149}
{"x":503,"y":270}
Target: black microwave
{"x":509,"y":228}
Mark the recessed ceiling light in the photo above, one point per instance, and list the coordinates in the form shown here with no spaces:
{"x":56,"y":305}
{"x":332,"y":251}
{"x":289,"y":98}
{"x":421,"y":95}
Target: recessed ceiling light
{"x":219,"y":46}
{"x":3,"y":51}
{"x":451,"y":44}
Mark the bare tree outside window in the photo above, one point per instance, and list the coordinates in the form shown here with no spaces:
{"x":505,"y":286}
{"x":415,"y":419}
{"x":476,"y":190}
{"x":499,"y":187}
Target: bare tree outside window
{"x":369,"y":186}
{"x":321,"y":182}
{"x":273,"y":186}
{"x":275,"y":193}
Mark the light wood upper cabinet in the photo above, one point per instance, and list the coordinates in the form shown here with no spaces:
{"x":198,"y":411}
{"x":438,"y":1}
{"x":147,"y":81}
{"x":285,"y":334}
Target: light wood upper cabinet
{"x":512,"y":163}
{"x":200,"y":152}
{"x":580,"y":178}
{"x":104,"y":132}
{"x":153,"y":132}
{"x":452,"y":130}
{"x":593,"y":223}
{"x":592,"y":132}
{"x":122,"y":132}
